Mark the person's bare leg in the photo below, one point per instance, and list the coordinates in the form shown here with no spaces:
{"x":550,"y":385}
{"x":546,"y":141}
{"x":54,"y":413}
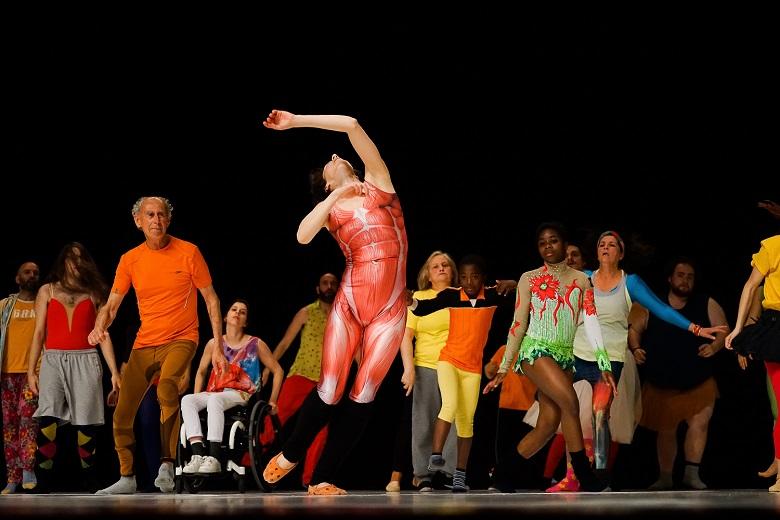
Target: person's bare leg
{"x":549,"y":415}
{"x":695,"y":441}
{"x":464,"y":448}
{"x":666,"y":447}
{"x":556,"y":385}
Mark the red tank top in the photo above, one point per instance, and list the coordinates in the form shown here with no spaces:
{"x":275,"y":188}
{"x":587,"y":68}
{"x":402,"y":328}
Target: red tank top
{"x":59,"y":336}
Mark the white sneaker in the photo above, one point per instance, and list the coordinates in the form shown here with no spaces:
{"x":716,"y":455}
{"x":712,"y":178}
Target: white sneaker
{"x":210,"y":465}
{"x":193,"y":465}
{"x":164,"y":480}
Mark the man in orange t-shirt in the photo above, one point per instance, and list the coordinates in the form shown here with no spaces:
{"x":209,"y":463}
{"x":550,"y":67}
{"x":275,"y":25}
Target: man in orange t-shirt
{"x":164,"y":271}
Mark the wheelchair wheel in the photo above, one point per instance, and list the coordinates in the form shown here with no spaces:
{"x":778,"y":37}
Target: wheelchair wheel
{"x":258,"y":452}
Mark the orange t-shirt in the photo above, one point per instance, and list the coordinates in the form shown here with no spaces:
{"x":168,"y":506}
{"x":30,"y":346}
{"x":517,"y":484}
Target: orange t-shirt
{"x":165,"y":282}
{"x":517,"y":391}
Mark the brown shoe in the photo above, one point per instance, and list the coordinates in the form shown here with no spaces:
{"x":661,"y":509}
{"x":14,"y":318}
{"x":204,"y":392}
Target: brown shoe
{"x":273,"y":472}
{"x":329,"y":489}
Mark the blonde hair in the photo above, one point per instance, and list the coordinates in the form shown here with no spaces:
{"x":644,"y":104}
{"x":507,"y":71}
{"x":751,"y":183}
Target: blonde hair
{"x":424,"y":278}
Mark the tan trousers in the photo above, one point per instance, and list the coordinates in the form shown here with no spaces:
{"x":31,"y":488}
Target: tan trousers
{"x":172,"y":360}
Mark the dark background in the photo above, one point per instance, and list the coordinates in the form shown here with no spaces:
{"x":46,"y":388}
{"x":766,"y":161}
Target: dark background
{"x":657,"y":125}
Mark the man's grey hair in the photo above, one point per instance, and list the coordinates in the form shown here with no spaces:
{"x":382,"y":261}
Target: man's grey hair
{"x":167,"y":203}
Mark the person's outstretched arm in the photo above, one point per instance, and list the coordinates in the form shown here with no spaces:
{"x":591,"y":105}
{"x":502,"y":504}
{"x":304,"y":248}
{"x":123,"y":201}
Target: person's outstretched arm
{"x":516,"y":332}
{"x":376,"y":169}
{"x":639,"y":291}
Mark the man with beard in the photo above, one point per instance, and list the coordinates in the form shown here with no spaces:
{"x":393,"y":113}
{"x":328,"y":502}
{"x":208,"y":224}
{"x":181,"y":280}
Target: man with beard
{"x":678,"y":374}
{"x":304,"y":373}
{"x":17,"y":324}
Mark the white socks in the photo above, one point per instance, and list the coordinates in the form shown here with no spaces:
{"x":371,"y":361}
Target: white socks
{"x":124,"y":486}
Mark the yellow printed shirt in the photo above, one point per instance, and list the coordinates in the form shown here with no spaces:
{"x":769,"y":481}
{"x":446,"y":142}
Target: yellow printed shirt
{"x":308,"y":361}
{"x":430,"y":332}
{"x":20,"y":333}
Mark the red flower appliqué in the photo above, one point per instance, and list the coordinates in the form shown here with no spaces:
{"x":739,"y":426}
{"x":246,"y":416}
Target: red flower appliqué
{"x":545,"y":287}
{"x":589,"y":304}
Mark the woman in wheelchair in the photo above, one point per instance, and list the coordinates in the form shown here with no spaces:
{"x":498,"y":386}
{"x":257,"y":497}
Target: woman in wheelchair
{"x":233,"y":387}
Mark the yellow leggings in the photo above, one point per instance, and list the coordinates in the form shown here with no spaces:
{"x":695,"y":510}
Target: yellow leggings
{"x":459,"y":394}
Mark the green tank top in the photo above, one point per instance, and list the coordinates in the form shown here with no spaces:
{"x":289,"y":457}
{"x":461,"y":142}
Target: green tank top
{"x":308,"y":361}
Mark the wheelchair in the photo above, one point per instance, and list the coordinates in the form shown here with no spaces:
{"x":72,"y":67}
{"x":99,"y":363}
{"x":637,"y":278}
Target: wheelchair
{"x":242,"y":449}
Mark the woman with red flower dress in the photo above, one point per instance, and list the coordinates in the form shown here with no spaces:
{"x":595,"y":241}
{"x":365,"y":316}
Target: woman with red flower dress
{"x":550,"y":302}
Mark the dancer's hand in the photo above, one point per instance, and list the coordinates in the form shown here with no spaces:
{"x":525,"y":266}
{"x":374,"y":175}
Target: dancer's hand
{"x":706,"y":350}
{"x":734,"y":333}
{"x":407,"y":380}
{"x":608,"y":378}
{"x":112,"y":398}
{"x":504,"y":287}
{"x":218,"y":360}
{"x":32,"y":382}
{"x":494,"y":383}
{"x":98,"y":335}
{"x":742,"y":361}
{"x":640,"y":355}
{"x":709,"y":332}
{"x":279,"y":120}
{"x":351,"y":189}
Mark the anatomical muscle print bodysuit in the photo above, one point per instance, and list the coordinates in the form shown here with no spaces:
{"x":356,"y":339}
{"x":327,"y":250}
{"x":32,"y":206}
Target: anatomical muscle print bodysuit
{"x":369,"y":311}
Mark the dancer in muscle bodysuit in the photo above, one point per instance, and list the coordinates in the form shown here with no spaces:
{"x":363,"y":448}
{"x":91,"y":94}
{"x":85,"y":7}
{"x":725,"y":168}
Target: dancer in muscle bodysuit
{"x":549,"y":302}
{"x":369,"y":313}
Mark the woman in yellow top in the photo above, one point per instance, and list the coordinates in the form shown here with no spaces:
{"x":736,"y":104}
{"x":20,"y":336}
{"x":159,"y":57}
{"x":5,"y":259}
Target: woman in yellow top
{"x":762,"y":340}
{"x":423,"y":340}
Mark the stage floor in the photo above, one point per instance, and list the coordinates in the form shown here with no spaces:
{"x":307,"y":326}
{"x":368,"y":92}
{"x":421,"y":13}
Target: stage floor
{"x":674,"y":504}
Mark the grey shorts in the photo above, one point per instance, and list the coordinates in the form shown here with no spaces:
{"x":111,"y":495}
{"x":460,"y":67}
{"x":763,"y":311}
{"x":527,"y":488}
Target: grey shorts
{"x":70,"y":386}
